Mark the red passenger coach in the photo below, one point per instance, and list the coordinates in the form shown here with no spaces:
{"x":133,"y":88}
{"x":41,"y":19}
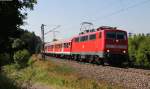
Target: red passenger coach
{"x":59,"y":48}
{"x":103,"y":44}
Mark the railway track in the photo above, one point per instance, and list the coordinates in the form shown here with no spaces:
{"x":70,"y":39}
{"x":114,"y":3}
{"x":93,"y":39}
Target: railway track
{"x":130,"y":78}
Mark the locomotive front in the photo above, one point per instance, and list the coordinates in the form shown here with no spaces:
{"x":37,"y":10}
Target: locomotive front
{"x":116,"y":46}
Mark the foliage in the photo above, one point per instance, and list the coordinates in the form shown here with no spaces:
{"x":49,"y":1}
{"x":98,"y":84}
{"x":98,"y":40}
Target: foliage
{"x":21,"y":58}
{"x":139,"y":50}
{"x":17,"y":44}
{"x":12,"y":14}
{"x":57,"y":76}
{"x":4,"y":58}
{"x":27,"y":41}
{"x":32,"y":42}
{"x":12,"y":37}
{"x":30,"y":62}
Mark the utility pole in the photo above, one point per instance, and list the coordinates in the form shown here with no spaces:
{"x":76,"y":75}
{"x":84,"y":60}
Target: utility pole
{"x":43,"y":38}
{"x":43,"y":43}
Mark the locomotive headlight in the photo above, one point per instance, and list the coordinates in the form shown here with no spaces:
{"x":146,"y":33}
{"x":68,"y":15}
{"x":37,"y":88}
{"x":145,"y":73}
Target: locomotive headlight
{"x":124,"y":51}
{"x":108,"y":50}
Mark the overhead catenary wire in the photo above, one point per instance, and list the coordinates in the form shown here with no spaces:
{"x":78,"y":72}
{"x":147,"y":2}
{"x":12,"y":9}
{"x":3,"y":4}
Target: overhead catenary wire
{"x":53,"y":31}
{"x":123,"y":9}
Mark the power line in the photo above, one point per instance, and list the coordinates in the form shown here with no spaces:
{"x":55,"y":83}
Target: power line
{"x":125,"y":9}
{"x":53,"y":31}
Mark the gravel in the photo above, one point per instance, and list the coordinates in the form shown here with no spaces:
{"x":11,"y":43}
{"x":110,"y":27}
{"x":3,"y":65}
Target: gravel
{"x":40,"y":86}
{"x":129,"y":78}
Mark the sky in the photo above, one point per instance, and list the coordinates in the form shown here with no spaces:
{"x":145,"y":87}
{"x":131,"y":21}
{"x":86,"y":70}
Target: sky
{"x":129,"y":15}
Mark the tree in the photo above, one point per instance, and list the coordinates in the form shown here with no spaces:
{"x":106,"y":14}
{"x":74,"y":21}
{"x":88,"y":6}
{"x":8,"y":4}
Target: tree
{"x":11,"y":18}
{"x":12,"y":15}
{"x":32,"y":42}
{"x":139,"y":50}
{"x":143,"y":53}
{"x":21,"y":58}
{"x":18,"y":44}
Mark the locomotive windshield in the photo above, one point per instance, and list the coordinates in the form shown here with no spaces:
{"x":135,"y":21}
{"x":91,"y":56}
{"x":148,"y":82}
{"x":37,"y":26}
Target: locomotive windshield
{"x":111,"y":35}
{"x":121,"y":35}
{"x":116,"y":35}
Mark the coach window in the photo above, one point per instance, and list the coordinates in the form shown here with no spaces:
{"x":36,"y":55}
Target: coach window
{"x":49,"y":47}
{"x":56,"y":46}
{"x":65,"y":45}
{"x":60,"y":45}
{"x":69,"y":44}
{"x":92,"y":37}
{"x":77,"y":39}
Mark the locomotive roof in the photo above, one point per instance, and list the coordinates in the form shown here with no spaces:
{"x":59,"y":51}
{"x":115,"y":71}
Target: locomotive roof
{"x":89,"y":33}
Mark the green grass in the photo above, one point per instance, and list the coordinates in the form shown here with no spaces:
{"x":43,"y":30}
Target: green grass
{"x":54,"y":75}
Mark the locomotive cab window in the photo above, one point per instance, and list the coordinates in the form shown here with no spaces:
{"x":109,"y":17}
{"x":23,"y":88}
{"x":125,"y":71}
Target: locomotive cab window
{"x":110,"y":35}
{"x":121,"y":35}
{"x":92,"y":37}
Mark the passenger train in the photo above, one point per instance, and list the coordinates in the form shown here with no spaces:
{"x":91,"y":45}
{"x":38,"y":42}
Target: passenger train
{"x":102,"y":45}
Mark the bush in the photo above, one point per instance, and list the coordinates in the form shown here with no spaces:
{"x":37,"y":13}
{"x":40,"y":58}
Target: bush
{"x":31,"y":61}
{"x":17,"y":44}
{"x":139,"y":51}
{"x":143,"y":54}
{"x":21,"y":58}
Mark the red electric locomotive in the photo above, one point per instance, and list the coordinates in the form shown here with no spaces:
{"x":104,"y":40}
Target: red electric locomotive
{"x":105,"y":44}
